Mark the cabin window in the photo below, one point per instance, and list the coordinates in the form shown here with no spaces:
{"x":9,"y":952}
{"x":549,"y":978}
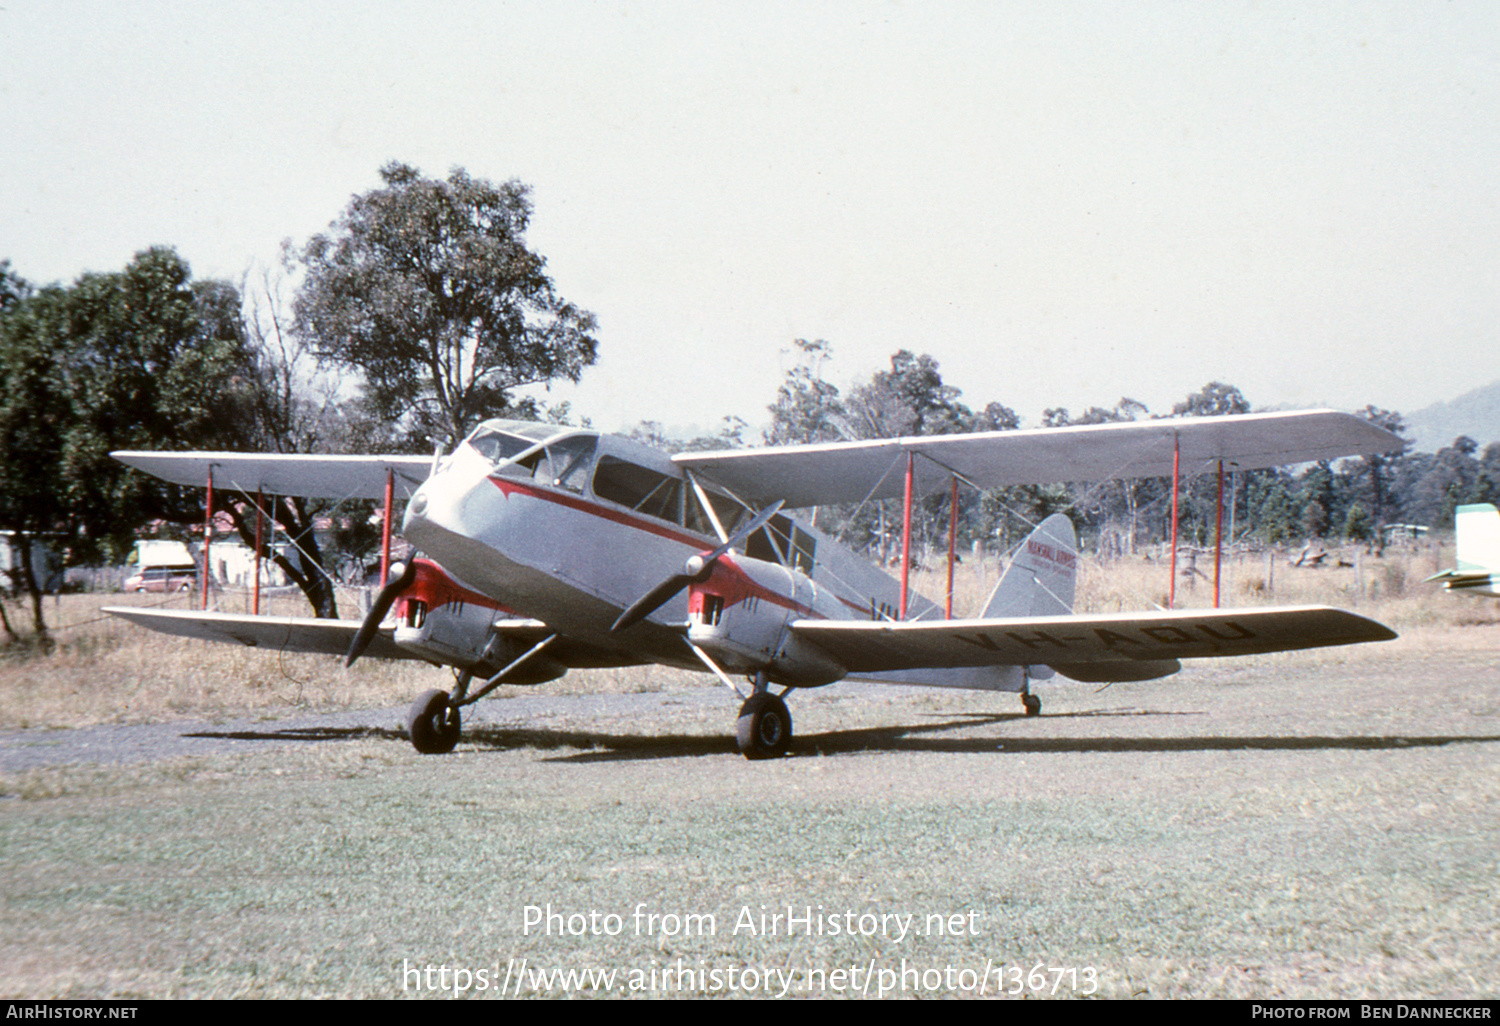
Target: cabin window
{"x":769,"y":543}
{"x":804,"y":550}
{"x":639,"y":488}
{"x":782,"y":541}
{"x":726,"y":509}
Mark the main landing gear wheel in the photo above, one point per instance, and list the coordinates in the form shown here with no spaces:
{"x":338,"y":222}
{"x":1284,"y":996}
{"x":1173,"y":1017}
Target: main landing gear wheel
{"x":764,"y":729}
{"x":433,"y":724}
{"x":1032,"y":704}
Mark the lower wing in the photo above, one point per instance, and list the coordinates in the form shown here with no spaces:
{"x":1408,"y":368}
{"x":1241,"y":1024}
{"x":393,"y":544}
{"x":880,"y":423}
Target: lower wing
{"x":278,"y":633}
{"x":1125,"y":646}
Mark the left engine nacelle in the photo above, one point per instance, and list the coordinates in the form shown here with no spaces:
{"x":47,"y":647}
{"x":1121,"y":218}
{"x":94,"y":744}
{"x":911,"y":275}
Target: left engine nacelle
{"x":440,"y":620}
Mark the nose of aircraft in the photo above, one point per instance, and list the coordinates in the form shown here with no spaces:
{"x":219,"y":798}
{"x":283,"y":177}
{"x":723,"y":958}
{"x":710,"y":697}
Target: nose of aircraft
{"x":444,"y":506}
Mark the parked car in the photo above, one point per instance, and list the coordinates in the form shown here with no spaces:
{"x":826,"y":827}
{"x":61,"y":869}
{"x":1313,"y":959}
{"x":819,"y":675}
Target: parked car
{"x":162,"y":578}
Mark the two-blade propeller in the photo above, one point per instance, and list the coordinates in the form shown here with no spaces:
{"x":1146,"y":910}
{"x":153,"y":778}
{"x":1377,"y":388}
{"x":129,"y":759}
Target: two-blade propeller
{"x":696,"y":571}
{"x":378,"y":610}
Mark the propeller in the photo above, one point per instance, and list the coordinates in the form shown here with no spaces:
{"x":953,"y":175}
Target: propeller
{"x":381,"y":606}
{"x":697,"y":570}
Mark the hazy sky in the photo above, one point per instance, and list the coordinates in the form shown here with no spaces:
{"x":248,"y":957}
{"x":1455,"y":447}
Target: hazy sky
{"x":1063,"y":202}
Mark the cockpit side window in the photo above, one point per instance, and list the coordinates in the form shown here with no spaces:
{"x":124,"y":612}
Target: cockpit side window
{"x":770,"y":541}
{"x":804,"y":550}
{"x":499,"y":446}
{"x":564,"y":463}
{"x":570,"y":460}
{"x":782,"y":541}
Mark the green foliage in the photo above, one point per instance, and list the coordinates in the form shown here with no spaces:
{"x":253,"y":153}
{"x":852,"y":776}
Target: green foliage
{"x":1272,"y":509}
{"x":1357,"y":524}
{"x":428,"y":290}
{"x":912,"y":399}
{"x":807,"y":408}
{"x":1214,"y":399}
{"x":137,"y":359}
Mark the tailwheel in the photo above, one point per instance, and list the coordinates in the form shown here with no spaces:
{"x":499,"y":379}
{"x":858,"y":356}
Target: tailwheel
{"x":1031,"y":703}
{"x":764,"y":729}
{"x":433,"y":724}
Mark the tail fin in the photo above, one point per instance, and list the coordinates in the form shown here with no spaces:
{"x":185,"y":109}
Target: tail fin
{"x":1478,"y":529}
{"x":1040,"y":579}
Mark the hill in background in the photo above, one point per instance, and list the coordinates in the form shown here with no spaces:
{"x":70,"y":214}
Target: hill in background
{"x":1476,"y":414}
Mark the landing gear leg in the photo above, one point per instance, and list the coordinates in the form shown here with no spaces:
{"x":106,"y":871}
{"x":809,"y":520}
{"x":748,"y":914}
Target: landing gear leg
{"x":764,"y":728}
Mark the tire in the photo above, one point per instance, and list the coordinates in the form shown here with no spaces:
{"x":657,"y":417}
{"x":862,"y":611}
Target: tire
{"x":764,"y":729}
{"x":1032,"y":704}
{"x":432,"y":725}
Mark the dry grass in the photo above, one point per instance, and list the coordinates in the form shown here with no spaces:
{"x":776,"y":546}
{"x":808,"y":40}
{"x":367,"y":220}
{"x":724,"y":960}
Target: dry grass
{"x":104,"y":670}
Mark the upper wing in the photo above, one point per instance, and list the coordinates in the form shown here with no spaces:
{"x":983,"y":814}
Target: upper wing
{"x":315,"y":477}
{"x":1124,"y":646}
{"x":810,"y":475}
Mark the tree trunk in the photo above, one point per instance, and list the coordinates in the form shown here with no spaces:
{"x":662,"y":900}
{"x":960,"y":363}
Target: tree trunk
{"x":296,"y":522}
{"x":33,"y":590}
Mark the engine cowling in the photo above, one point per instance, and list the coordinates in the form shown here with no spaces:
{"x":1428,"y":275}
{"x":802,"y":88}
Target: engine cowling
{"x":439,"y":619}
{"x":741,"y":616}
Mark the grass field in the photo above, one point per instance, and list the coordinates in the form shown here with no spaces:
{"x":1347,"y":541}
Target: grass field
{"x":1305,"y":825}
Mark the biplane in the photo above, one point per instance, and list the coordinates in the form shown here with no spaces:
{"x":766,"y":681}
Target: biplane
{"x":1477,"y":532}
{"x":546,"y":548}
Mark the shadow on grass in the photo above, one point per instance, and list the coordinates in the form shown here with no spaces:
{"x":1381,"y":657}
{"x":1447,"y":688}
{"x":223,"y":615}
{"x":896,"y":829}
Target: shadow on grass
{"x":303,"y":734}
{"x":876,"y":740}
{"x":593,"y":746}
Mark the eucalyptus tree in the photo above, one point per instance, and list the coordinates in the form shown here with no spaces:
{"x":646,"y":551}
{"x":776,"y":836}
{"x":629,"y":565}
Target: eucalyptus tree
{"x":428,"y":289}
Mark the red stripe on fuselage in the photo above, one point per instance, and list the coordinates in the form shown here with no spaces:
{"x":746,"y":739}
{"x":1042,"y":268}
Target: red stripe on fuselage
{"x":509,"y":486}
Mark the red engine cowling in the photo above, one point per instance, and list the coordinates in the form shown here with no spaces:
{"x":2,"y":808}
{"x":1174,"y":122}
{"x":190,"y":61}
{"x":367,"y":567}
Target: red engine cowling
{"x":439,"y":619}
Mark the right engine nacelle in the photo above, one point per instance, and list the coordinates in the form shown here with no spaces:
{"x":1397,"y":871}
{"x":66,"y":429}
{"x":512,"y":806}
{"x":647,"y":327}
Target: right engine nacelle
{"x":741,"y":615}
